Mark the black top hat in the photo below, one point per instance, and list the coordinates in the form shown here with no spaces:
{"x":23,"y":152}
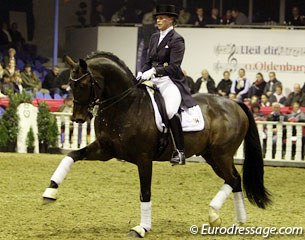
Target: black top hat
{"x":168,"y":10}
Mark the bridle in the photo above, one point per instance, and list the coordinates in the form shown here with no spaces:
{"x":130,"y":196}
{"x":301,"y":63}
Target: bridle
{"x":94,"y":98}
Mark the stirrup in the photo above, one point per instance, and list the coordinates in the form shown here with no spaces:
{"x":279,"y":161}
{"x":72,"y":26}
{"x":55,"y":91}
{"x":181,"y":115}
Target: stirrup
{"x":178,"y":158}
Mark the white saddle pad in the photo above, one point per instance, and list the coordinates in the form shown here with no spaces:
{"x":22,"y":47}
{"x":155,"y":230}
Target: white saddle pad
{"x":192,"y":119}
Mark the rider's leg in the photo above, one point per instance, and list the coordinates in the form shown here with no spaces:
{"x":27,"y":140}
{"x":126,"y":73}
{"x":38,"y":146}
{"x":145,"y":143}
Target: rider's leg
{"x":172,"y":99}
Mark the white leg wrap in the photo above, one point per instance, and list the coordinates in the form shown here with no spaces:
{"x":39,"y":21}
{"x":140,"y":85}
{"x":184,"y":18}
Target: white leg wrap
{"x":62,"y":170}
{"x":221,"y":197}
{"x":146,"y":215}
{"x":239,"y":205}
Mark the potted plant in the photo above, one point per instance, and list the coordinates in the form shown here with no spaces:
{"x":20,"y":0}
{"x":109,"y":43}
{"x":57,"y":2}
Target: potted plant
{"x":30,"y":141}
{"x":10,"y":120}
{"x":3,"y":136}
{"x":47,"y":128}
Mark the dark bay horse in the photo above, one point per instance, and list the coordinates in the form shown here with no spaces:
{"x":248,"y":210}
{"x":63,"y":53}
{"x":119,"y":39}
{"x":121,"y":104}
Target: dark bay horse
{"x":125,"y":129}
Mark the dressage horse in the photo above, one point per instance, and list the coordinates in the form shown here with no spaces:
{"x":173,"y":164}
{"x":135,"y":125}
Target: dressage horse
{"x":125,"y":119}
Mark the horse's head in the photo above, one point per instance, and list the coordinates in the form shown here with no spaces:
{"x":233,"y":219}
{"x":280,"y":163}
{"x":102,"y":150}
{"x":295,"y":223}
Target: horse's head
{"x":84,"y":89}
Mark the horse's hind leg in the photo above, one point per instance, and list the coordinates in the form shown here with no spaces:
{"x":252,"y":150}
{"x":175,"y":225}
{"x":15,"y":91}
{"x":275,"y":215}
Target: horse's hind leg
{"x":90,"y":152}
{"x":222,"y":166}
{"x":238,"y":200}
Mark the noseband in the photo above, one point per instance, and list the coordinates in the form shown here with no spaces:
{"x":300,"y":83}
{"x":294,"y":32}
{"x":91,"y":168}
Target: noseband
{"x":93,"y":97}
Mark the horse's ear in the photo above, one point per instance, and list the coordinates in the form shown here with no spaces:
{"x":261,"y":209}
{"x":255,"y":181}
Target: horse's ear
{"x":83,"y":64}
{"x":70,"y":62}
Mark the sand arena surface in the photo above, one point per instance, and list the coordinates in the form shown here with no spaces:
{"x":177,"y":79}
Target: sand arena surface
{"x":100,"y":200}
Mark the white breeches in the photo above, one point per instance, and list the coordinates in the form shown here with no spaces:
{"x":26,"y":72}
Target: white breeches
{"x":170,"y":93}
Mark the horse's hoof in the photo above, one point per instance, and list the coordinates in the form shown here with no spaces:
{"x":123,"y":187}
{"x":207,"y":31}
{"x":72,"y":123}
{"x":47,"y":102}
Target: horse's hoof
{"x":48,"y":200}
{"x":137,"y":232}
{"x":216,"y":223}
{"x":50,"y":195}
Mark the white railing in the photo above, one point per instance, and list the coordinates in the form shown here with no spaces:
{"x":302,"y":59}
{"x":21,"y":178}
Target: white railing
{"x":280,"y":140}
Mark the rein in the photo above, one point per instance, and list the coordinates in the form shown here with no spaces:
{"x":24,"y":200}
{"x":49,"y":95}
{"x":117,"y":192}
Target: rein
{"x":94,"y":100}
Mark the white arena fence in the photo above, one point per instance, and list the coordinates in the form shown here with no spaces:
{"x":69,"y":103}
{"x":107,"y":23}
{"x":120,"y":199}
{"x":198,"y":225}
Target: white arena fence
{"x":282,"y":142}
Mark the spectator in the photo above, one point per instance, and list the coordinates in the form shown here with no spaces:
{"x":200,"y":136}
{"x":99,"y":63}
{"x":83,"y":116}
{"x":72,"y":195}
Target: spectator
{"x":239,"y":17}
{"x":256,"y":111}
{"x":10,"y":57}
{"x":241,"y":85}
{"x":189,"y":81}
{"x":184,"y":16}
{"x":5,"y":37}
{"x":1,"y":71}
{"x":50,"y":81}
{"x":17,"y":81}
{"x":199,"y":19}
{"x":66,"y":108}
{"x":119,"y":16}
{"x":278,"y":96}
{"x":265,"y":101}
{"x":17,"y":37}
{"x":148,"y":18}
{"x":271,"y":84}
{"x":214,"y":18}
{"x":6,"y":85}
{"x":297,"y":114}
{"x":11,"y":68}
{"x":295,"y":96}
{"x":224,"y":86}
{"x":97,"y":16}
{"x":204,"y":84}
{"x":254,"y":99}
{"x":296,"y":19}
{"x":276,"y":116}
{"x":29,"y":79}
{"x":257,"y":87}
{"x":227,"y":18}
{"x":63,"y":82}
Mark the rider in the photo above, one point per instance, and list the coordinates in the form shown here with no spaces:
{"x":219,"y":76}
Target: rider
{"x":166,"y":50}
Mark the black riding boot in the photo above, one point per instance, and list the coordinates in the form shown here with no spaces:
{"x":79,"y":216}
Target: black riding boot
{"x":178,"y":156}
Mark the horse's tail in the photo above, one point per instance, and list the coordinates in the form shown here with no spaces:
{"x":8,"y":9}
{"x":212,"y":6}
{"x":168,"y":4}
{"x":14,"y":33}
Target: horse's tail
{"x":253,"y":169}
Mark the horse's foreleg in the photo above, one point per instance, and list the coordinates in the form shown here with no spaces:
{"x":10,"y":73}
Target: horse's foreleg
{"x":145,"y":172}
{"x":91,"y":152}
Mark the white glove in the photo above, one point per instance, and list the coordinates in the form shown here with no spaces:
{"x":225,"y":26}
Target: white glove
{"x":149,"y":74}
{"x":139,"y":76}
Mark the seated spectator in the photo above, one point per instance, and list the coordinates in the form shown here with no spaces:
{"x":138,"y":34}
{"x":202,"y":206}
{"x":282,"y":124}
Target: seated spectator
{"x":241,"y":85}
{"x":257,"y":87}
{"x":50,"y":81}
{"x":148,"y":17}
{"x":66,"y":108}
{"x":296,"y":19}
{"x":204,"y":84}
{"x":189,"y":81}
{"x":199,"y":19}
{"x":276,"y":116}
{"x":265,"y":101}
{"x":17,"y":81}
{"x":6,"y":85}
{"x":97,"y":16}
{"x":239,"y":17}
{"x":254,"y":99}
{"x":224,"y":86}
{"x":119,"y":16}
{"x":63,"y":82}
{"x":184,"y":16}
{"x":1,"y":71}
{"x":10,"y":57}
{"x":214,"y":18}
{"x":297,"y":114}
{"x":17,"y":38}
{"x":256,"y":111}
{"x":271,"y":84}
{"x":11,"y":68}
{"x":278,"y":96}
{"x":295,"y":96}
{"x":227,"y":18}
{"x":29,"y":79}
